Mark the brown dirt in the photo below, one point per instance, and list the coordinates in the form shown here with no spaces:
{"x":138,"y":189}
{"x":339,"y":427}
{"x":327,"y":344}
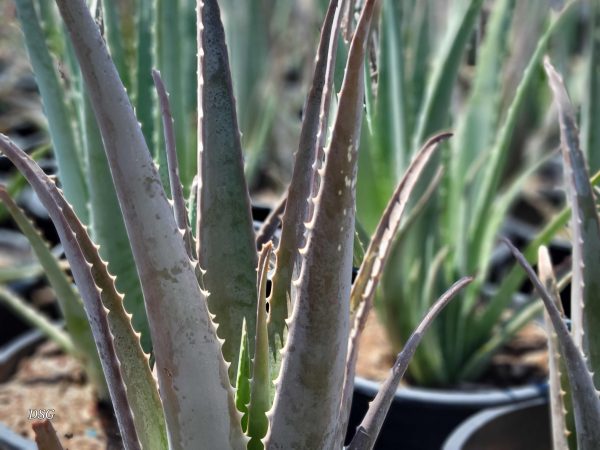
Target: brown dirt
{"x":51,"y":380}
{"x":523,"y":360}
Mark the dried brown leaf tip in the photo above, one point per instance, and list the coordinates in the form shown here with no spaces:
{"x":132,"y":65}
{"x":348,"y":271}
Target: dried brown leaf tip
{"x":45,"y":436}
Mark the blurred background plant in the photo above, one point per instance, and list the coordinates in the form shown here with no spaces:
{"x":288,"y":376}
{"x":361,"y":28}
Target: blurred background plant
{"x":473,"y":66}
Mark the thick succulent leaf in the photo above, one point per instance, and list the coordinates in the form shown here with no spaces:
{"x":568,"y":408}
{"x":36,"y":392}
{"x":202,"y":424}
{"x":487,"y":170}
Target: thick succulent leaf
{"x":496,"y":307}
{"x":480,"y":358}
{"x":390,"y":121}
{"x":585,"y":226}
{"x":368,"y":430}
{"x":380,"y":244}
{"x":365,"y":284}
{"x":269,"y":226}
{"x":179,"y":208}
{"x":306,"y":163}
{"x":494,"y":167}
{"x":260,"y":401}
{"x":56,"y":109}
{"x":307,"y":401}
{"x":586,"y":403}
{"x":15,"y":182}
{"x":145,"y":105}
{"x":225,"y":235}
{"x":69,"y":301}
{"x":45,"y":436}
{"x":108,"y":228}
{"x":91,"y":295}
{"x":32,"y":316}
{"x":117,"y":38}
{"x":173,"y":298}
{"x":171,"y":36}
{"x":434,"y":112}
{"x":244,"y":373}
{"x":98,"y":285}
{"x":557,"y":389}
{"x":477,"y":125}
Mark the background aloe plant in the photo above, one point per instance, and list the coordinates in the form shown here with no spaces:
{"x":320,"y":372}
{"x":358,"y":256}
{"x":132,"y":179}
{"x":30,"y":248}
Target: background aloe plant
{"x":574,"y":359}
{"x":415,"y":91}
{"x":199,"y":281}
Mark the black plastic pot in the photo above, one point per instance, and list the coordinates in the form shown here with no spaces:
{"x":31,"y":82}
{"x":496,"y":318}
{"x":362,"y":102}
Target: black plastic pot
{"x":13,"y":349}
{"x":524,"y":426}
{"x":422,"y":419}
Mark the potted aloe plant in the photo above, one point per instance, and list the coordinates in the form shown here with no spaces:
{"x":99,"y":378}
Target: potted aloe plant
{"x":454,"y":229}
{"x":203,"y":282}
{"x":574,"y":402}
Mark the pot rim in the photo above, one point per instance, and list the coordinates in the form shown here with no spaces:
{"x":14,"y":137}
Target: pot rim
{"x":484,"y":398}
{"x":467,"y":428}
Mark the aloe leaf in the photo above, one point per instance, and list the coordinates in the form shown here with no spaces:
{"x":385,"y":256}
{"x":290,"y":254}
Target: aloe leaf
{"x":434,"y":112}
{"x":166,"y":271}
{"x":271,"y":223}
{"x":304,"y":175}
{"x":35,"y":318}
{"x":498,"y":304}
{"x":45,"y":436}
{"x":476,"y":127}
{"x":585,"y":285}
{"x":558,"y":409}
{"x":479,"y":359}
{"x":586,"y":404}
{"x":69,"y":301}
{"x":260,"y":401}
{"x":390,"y":121}
{"x":495,"y":166}
{"x":90,"y":293}
{"x":367,"y":280}
{"x":55,"y":107}
{"x":367,"y":432}
{"x":169,"y":53}
{"x":307,"y":402}
{"x":107,"y":226}
{"x":591,"y":107}
{"x":116,"y":39}
{"x":225,"y":235}
{"x":244,"y":373}
{"x":98,"y":285}
{"x":382,"y":239}
{"x":179,"y":208}
{"x":144,"y":89}
{"x":16,"y":181}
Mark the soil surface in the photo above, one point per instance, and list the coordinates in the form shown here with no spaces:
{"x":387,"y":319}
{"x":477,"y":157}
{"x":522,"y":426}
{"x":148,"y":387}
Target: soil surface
{"x":51,"y":380}
{"x":523,"y":360}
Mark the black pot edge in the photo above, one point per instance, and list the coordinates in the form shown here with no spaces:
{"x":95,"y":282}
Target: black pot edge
{"x":16,"y":349}
{"x":465,"y":431}
{"x":487,"y":398}
{"x":9,"y":358}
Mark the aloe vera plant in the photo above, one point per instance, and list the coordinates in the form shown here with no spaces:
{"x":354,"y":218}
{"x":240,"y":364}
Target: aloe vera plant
{"x":453,"y":230}
{"x":574,"y":359}
{"x":203,"y":282}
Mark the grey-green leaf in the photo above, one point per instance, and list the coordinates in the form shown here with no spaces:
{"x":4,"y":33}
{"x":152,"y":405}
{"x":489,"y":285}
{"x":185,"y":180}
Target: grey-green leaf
{"x":225,"y":236}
